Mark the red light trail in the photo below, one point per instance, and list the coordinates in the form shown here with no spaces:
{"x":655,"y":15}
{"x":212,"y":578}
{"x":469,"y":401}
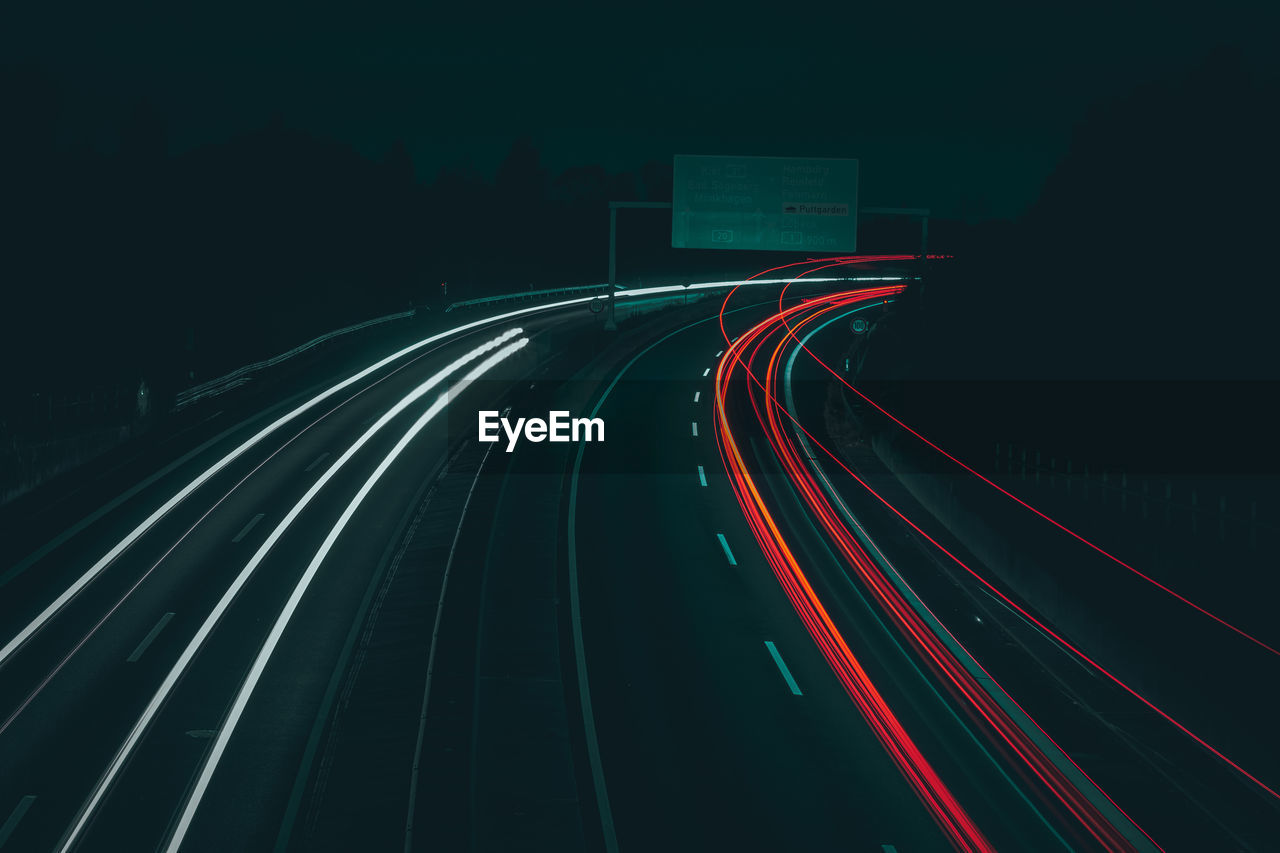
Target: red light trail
{"x":1010,"y":739}
{"x":962,"y":684}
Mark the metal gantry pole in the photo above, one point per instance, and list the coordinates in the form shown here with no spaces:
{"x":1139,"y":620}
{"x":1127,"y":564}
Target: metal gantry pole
{"x":610,"y":323}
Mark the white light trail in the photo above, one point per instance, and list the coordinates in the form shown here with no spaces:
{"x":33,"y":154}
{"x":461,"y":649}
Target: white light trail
{"x":175,"y":674}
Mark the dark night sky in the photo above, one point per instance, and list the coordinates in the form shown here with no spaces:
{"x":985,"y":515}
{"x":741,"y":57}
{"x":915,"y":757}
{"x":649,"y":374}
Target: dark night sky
{"x":962,"y":109}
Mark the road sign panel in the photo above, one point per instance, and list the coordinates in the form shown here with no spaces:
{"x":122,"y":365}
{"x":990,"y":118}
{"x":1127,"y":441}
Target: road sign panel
{"x":765,"y":203}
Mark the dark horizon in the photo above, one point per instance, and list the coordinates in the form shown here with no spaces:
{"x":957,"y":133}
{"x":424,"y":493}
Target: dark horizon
{"x":968,"y":115}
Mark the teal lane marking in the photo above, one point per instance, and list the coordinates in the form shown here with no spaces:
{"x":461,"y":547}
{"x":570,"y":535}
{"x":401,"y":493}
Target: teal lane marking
{"x":706,"y":372}
{"x":244,"y":531}
{"x":149,"y":639}
{"x":695,"y":429}
{"x":697,"y":395}
{"x":16,"y":815}
{"x":702,"y":476}
{"x":725,"y":545}
{"x":319,"y":459}
{"x":888,"y":848}
{"x":575,"y":605}
{"x":782,"y":667}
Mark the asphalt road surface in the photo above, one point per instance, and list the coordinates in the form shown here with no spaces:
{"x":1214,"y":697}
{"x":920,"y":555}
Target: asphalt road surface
{"x":359,"y":628}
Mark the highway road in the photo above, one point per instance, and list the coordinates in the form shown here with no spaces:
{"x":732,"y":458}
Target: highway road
{"x":129,"y":666}
{"x":343,"y":623}
{"x":711,"y":695}
{"x":708,"y":685}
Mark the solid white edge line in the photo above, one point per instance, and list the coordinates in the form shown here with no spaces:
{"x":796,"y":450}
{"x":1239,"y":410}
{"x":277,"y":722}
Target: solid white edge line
{"x":431,"y":654}
{"x":175,"y":674}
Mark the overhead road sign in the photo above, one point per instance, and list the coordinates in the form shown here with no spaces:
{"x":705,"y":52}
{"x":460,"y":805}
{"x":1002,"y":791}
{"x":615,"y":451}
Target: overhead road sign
{"x":775,"y":204}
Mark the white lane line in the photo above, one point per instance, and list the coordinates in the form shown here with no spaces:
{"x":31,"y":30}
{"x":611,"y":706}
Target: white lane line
{"x":697,"y":395}
{"x":782,"y":667}
{"x":695,"y":429}
{"x":244,"y":531}
{"x":374,"y":597}
{"x":725,"y":545}
{"x":319,"y":459}
{"x":143,"y":723}
{"x":97,"y":568}
{"x":149,"y":639}
{"x":702,"y":476}
{"x":720,"y":353}
{"x":431,"y":655}
{"x":286,"y":614}
{"x":16,"y":815}
{"x":706,"y":372}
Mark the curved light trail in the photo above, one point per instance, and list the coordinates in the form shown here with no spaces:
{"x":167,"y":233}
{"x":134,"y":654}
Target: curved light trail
{"x":1059,"y":525}
{"x":784,"y":317}
{"x":1116,"y":832}
{"x":154,"y":706}
{"x":950,"y":816}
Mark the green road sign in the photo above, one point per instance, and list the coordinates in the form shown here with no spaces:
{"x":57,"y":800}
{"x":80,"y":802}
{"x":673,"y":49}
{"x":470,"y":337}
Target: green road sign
{"x":801,"y":204}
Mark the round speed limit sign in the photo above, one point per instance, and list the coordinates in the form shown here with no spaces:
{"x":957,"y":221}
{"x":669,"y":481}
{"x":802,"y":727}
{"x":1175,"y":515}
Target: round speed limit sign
{"x":858,"y":325}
